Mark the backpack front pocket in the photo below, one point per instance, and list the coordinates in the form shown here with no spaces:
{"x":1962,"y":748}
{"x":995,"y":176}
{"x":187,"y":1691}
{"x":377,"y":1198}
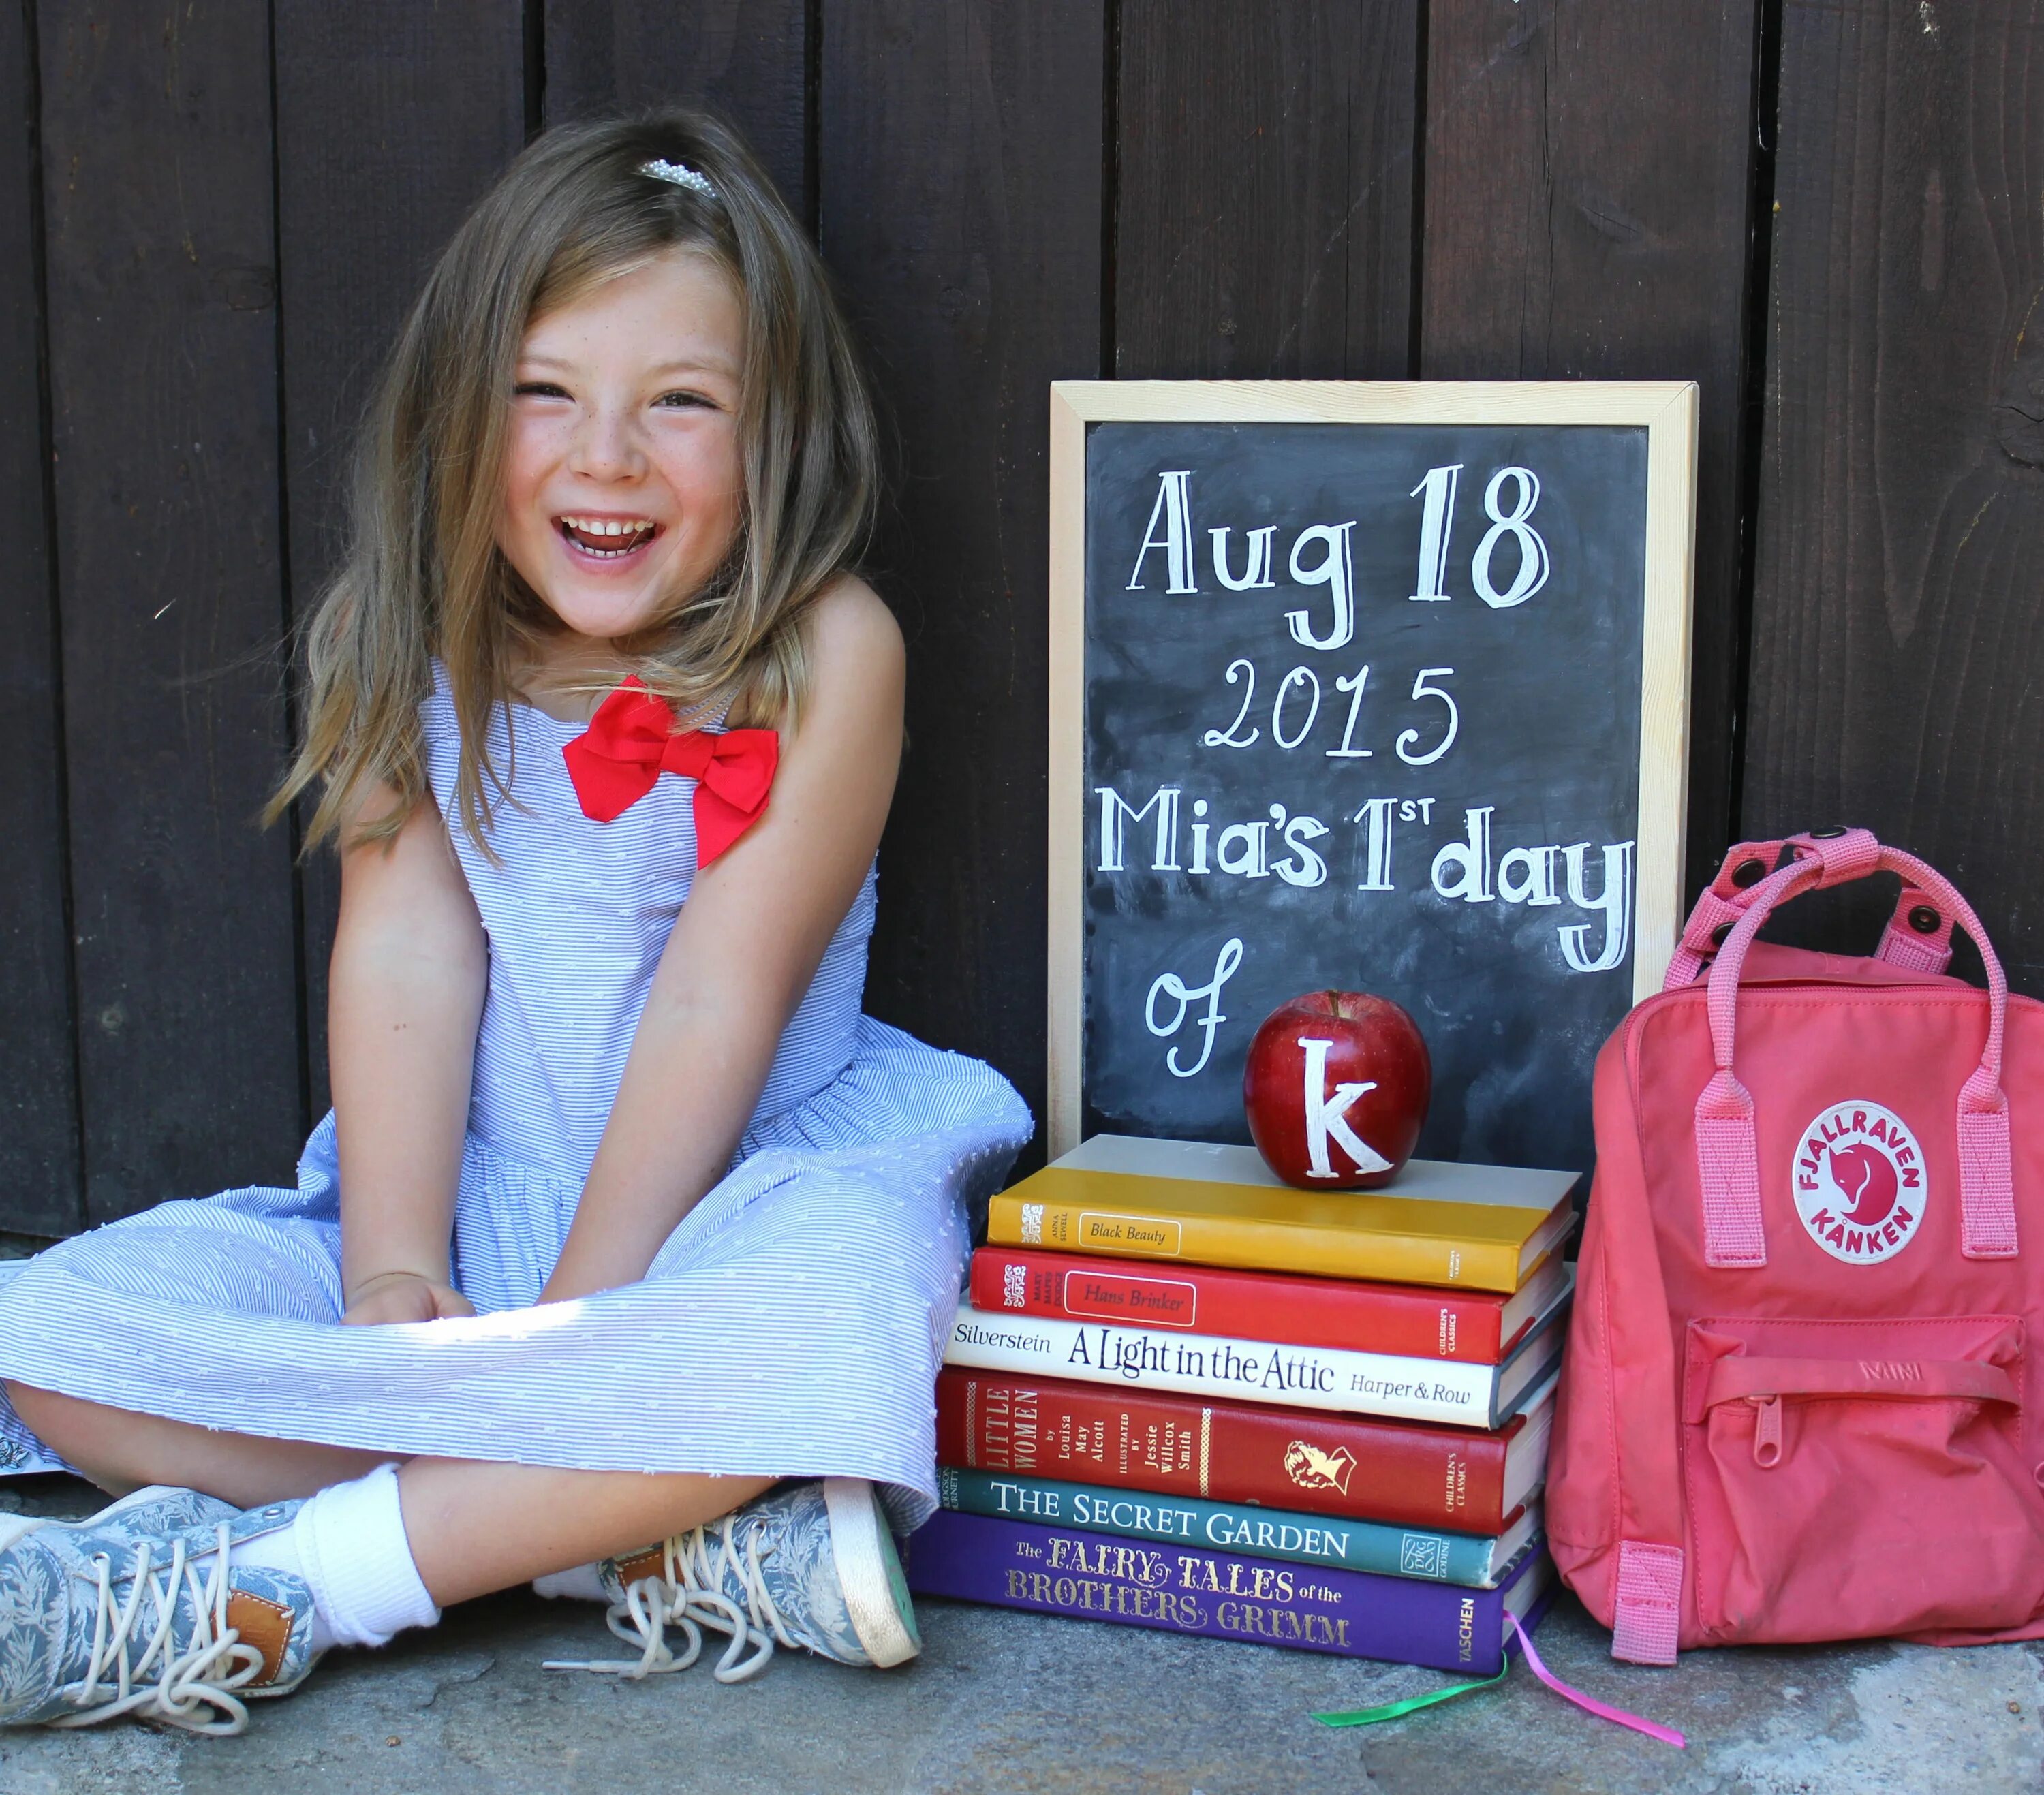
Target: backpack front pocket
{"x":1853,"y":1479}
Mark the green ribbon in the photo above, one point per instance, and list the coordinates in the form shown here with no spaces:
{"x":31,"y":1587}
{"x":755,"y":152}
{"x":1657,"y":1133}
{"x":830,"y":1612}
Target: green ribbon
{"x":1397,"y":1710}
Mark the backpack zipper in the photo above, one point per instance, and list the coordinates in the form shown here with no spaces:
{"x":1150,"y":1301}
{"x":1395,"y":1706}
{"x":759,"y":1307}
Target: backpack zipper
{"x":1766,"y":1431}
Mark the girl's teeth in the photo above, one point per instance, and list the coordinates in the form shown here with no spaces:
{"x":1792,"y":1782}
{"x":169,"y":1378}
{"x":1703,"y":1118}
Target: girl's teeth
{"x":606,"y":537}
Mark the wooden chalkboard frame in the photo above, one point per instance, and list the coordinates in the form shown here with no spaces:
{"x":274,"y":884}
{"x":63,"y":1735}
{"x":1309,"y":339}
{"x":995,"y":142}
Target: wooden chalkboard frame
{"x":1667,"y":410}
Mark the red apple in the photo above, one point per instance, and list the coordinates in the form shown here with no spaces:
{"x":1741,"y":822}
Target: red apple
{"x":1336,"y":1090}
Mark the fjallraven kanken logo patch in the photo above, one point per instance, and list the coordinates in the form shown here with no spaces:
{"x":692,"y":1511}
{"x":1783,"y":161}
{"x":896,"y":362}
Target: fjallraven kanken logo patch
{"x":1859,"y":1183}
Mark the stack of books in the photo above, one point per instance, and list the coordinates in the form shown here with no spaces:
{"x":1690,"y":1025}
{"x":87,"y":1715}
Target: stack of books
{"x":1184,"y":1395}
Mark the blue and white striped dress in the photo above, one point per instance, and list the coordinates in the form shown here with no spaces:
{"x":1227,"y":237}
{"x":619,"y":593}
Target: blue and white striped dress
{"x":792,"y":1325}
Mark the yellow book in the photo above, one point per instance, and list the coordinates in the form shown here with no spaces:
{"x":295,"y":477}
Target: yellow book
{"x":1479,"y":1227}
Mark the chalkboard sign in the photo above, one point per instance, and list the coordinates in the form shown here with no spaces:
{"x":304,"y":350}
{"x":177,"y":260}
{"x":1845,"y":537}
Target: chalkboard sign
{"x":1363,"y":686}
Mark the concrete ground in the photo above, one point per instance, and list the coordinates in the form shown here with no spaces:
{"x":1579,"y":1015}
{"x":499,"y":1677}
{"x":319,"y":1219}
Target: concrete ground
{"x":1005,"y":1703}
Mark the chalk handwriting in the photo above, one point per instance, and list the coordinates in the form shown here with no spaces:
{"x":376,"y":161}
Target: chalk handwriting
{"x":1171,"y":987}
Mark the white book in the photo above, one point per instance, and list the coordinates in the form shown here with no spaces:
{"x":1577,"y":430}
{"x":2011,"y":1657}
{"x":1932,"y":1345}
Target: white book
{"x":1258,"y":1370}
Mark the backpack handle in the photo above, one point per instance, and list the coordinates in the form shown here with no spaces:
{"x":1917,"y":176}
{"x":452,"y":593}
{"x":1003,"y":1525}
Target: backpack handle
{"x":1918,"y":937}
{"x":1727,"y":1155}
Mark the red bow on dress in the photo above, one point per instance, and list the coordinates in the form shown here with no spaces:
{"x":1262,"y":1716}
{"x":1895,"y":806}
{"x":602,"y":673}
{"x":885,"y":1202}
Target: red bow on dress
{"x":631,"y":741}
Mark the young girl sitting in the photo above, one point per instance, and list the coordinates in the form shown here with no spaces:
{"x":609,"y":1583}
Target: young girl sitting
{"x":625,"y":1218}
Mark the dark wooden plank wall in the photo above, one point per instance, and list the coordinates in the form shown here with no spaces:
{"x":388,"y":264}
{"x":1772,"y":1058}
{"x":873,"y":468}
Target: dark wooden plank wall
{"x":215,"y":212}
{"x":1264,"y":191}
{"x":1898,"y":637}
{"x":41,"y":1172}
{"x":161,"y":293}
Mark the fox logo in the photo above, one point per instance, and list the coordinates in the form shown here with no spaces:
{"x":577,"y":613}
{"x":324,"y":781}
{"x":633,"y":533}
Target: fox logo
{"x":1860,"y":1183}
{"x":1312,"y":1468}
{"x":1869,"y":1177}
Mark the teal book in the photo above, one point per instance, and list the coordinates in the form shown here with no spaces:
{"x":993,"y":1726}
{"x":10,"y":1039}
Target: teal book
{"x":1473,"y":1561}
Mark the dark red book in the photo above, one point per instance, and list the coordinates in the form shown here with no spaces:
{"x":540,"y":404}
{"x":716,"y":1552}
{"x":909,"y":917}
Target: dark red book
{"x":1411,"y":1474}
{"x":1474,"y":1327}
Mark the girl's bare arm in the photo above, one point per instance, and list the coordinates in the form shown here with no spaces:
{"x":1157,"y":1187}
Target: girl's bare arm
{"x":410,"y":966}
{"x":744,"y":951}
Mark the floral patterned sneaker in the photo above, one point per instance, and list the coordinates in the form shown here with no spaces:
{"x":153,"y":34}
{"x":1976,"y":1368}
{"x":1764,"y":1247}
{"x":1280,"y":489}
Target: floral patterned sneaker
{"x":111,"y":1616}
{"x":159,"y":1509}
{"x":807,"y":1564}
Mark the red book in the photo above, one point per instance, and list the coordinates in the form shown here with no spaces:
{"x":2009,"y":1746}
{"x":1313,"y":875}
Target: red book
{"x":1411,"y":1474}
{"x":1475,"y":1327}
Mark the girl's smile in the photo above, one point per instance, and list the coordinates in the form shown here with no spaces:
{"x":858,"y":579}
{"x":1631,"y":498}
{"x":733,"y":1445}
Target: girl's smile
{"x":623,"y":484}
{"x":608,"y":539}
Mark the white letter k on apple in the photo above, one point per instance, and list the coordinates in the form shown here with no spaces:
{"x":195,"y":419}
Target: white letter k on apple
{"x":1327,"y":1115}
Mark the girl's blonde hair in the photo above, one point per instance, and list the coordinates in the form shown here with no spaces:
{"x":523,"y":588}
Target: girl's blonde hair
{"x":424,"y":576}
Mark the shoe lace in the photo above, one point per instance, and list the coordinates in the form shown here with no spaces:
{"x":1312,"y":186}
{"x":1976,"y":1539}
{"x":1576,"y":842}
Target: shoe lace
{"x":194,"y":1678}
{"x":688,"y":1593}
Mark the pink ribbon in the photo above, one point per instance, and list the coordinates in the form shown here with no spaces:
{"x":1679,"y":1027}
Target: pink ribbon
{"x":1589,"y":1703}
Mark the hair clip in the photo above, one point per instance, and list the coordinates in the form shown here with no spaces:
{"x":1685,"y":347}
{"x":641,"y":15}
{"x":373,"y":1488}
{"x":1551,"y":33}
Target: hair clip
{"x":680,"y":175}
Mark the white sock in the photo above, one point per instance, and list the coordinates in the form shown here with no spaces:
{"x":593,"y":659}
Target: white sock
{"x":348,"y":1544}
{"x":279,"y":1551}
{"x":584,"y":1583}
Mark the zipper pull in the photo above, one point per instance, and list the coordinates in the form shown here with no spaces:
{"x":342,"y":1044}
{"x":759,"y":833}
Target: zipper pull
{"x":1766,"y":1431}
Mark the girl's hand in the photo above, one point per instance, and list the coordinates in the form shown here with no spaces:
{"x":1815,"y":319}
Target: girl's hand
{"x":402,"y":1296}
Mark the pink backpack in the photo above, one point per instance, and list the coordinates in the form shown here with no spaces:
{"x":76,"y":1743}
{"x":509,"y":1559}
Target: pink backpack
{"x":1796,"y":1404}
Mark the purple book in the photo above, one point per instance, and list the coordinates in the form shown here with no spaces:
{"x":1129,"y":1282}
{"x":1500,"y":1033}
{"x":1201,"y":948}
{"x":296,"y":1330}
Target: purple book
{"x":1183,"y":1589}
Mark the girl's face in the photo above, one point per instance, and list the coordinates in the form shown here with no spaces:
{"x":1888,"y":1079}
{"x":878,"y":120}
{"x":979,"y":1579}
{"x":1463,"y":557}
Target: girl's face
{"x":623,"y":484}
